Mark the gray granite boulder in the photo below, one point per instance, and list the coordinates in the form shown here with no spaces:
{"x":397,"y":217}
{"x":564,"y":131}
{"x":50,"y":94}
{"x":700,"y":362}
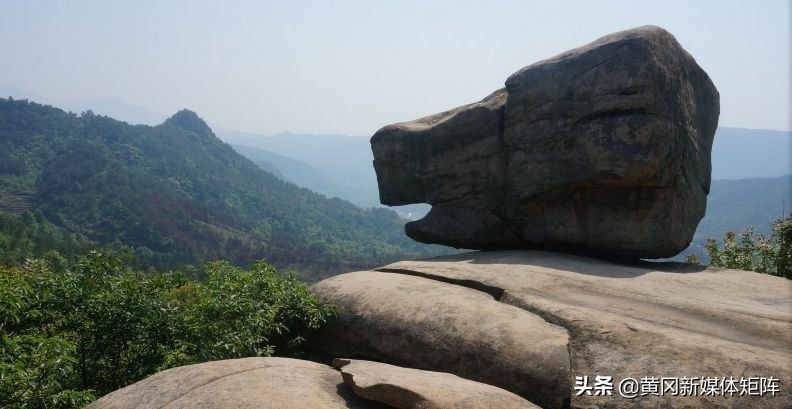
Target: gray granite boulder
{"x":602,"y":149}
{"x":282,"y":383}
{"x":261,"y":383}
{"x":631,"y":320}
{"x":416,"y":322}
{"x":407,"y":388}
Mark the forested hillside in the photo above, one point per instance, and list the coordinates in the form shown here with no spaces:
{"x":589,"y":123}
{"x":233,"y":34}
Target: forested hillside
{"x":174,"y":194}
{"x":739,"y":153}
{"x":734,"y":205}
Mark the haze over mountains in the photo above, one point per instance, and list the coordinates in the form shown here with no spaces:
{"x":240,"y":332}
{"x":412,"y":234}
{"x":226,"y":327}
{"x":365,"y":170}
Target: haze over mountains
{"x":739,"y":153}
{"x":112,"y":107}
{"x":334,"y":165}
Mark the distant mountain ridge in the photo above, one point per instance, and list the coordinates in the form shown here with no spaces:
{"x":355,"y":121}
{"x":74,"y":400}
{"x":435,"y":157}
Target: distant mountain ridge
{"x":344,"y":161}
{"x":295,"y":171}
{"x":733,"y":205}
{"x":739,"y":153}
{"x":177,"y":194}
{"x":113,"y":107}
{"x":753,"y":202}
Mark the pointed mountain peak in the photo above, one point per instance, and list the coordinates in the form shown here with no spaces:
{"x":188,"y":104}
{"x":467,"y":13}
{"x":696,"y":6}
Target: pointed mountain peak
{"x":190,"y":121}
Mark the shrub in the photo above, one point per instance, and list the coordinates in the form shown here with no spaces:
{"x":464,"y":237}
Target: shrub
{"x":73,"y":333}
{"x":755,"y":252}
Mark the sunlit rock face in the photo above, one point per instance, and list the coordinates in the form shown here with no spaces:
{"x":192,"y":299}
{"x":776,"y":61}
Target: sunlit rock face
{"x":604,"y":149}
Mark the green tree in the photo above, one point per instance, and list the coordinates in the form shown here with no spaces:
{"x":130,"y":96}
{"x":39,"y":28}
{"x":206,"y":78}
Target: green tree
{"x":755,"y":252}
{"x":69,"y":334}
{"x":269,"y":313}
{"x":36,"y":372}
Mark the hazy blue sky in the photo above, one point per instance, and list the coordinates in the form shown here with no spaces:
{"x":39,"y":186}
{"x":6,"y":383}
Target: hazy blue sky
{"x":353,"y":66}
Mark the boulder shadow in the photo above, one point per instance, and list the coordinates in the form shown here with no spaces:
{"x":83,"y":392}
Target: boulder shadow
{"x":575,"y":262}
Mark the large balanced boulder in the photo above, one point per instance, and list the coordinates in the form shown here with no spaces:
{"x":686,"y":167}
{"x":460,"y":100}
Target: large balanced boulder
{"x":602,"y":149}
{"x":624,"y":320}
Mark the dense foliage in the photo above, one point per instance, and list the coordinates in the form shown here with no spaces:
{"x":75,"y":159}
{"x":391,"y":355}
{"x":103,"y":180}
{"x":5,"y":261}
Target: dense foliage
{"x":176,"y":194}
{"x":70,"y":334}
{"x":753,"y":251}
{"x":31,"y":235}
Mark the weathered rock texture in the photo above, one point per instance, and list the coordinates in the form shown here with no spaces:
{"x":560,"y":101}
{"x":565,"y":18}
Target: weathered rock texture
{"x":275,"y":383}
{"x":406,"y":388}
{"x":426,"y":324}
{"x":604,"y":149}
{"x":282,"y":383}
{"x":623,"y":319}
